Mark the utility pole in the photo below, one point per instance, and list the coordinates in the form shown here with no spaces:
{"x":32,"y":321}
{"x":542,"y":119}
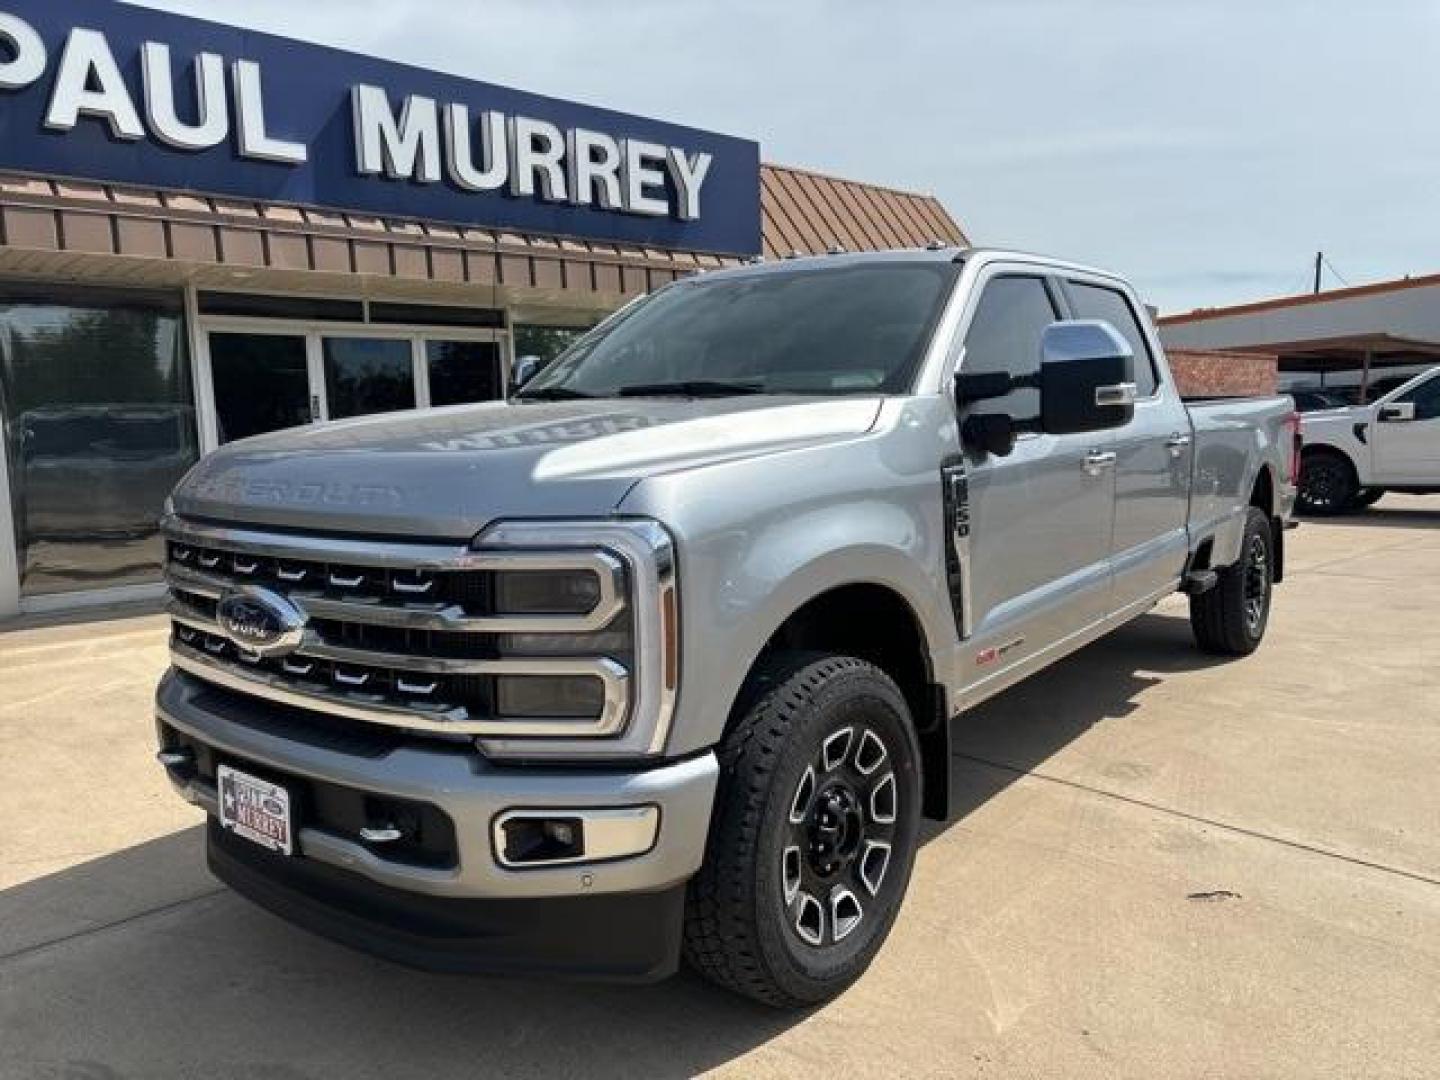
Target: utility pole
{"x":1319,"y":259}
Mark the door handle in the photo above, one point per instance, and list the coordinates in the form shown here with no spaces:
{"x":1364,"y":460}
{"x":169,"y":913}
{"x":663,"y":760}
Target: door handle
{"x":1097,"y":461}
{"x":1176,"y":444}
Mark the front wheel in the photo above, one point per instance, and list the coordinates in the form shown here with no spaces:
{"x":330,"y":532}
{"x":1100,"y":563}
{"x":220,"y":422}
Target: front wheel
{"x":1230,"y":618}
{"x":814,"y":832}
{"x":1328,"y":484}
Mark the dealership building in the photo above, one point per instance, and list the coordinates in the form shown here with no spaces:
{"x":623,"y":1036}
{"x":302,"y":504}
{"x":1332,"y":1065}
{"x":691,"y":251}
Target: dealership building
{"x":207,"y":233}
{"x":1349,"y":345}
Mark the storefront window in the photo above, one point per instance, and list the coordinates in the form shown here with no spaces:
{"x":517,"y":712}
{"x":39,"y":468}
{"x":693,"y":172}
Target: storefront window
{"x":96,"y":408}
{"x":462,"y":371}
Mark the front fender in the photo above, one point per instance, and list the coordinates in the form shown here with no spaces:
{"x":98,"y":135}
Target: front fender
{"x":756,"y":542}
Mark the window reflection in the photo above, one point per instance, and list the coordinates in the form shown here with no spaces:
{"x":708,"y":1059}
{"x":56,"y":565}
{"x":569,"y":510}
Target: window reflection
{"x":98,"y":424}
{"x":367,"y":375}
{"x":463,"y":371}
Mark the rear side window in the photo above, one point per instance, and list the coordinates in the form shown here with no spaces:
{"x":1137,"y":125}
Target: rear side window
{"x":1005,"y":334}
{"x":1098,"y":302}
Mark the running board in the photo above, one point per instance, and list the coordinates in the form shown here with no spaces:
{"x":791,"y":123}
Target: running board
{"x":1196,"y":582}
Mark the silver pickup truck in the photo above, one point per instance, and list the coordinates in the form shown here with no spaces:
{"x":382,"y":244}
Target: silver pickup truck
{"x":662,"y":656}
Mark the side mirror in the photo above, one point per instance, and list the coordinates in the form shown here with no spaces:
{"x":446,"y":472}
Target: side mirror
{"x":1397,"y":412}
{"x":1087,"y":377}
{"x":989,"y":433}
{"x":526,"y":368}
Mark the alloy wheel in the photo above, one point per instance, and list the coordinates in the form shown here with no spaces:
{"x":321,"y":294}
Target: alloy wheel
{"x":839,"y":836}
{"x":1257,"y":584}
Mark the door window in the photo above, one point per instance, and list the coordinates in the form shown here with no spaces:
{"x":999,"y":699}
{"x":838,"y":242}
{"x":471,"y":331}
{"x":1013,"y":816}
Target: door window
{"x":261,"y":383}
{"x":1005,"y":336}
{"x":367,"y":375}
{"x":1425,"y":398}
{"x":1098,"y":302}
{"x":462,"y":371}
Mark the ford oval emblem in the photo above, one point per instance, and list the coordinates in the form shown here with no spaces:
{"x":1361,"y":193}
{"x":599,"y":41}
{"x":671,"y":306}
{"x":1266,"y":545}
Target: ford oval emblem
{"x":260,"y":621}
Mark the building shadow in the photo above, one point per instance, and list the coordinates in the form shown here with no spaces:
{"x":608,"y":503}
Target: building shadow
{"x":140,"y":963}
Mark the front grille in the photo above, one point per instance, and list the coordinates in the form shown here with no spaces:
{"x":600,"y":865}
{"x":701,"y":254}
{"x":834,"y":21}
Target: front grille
{"x":406,"y":634}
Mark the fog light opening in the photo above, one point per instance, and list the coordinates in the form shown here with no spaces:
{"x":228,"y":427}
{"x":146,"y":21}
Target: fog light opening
{"x":535,"y":840}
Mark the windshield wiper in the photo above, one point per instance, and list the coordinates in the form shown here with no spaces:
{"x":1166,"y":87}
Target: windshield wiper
{"x":690,"y":388}
{"x":552,"y":393}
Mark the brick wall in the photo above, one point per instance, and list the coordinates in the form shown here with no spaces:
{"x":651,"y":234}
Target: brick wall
{"x":1212,"y":373}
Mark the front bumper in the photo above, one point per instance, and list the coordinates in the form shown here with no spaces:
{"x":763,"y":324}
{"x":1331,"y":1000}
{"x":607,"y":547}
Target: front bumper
{"x":632,"y":937}
{"x":338,"y":883}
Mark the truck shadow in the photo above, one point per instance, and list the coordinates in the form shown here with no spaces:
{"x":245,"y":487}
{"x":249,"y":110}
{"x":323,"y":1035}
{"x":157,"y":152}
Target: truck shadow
{"x":138,"y":963}
{"x":1013,"y":733}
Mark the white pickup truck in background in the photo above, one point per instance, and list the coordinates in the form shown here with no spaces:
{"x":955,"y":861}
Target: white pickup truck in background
{"x":1353,"y":456}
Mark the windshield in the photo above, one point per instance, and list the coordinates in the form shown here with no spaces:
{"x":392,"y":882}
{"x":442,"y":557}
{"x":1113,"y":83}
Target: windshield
{"x":813,"y":330}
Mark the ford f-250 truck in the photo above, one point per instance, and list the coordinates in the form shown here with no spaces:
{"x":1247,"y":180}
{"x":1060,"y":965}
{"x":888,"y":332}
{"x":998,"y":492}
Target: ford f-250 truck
{"x":1354,"y":455}
{"x":662,"y":655}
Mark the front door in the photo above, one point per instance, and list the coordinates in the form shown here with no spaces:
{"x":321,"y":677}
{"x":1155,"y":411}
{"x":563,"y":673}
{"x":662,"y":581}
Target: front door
{"x":1407,"y":437}
{"x":1040,"y":519}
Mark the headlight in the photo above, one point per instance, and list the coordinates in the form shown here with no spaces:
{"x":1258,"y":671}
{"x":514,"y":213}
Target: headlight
{"x":552,"y":592}
{"x":597,"y":634}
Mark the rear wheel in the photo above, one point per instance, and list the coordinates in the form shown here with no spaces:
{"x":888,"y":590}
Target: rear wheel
{"x":1328,"y":484}
{"x":814,"y":832}
{"x":1230,"y":618}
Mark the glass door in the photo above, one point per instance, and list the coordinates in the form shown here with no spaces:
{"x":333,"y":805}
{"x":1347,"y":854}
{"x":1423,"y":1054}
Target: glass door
{"x":365,"y":375}
{"x":460,"y":372}
{"x":260,"y":378}
{"x":260,"y":382}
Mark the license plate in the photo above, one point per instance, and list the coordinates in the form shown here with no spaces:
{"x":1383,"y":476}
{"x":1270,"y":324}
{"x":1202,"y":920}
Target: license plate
{"x":255,"y":809}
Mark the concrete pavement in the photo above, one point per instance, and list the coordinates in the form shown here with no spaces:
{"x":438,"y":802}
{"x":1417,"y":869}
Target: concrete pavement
{"x":1167,"y":866}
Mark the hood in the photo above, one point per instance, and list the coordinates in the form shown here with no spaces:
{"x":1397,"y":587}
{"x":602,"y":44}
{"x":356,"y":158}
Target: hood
{"x":447,"y":473}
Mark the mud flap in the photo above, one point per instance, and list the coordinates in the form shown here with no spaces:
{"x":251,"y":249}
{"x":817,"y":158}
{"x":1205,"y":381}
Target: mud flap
{"x":937,"y":792}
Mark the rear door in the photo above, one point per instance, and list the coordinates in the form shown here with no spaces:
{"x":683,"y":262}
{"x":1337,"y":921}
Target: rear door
{"x":1407,"y":437}
{"x":1153,"y":455}
{"x":1039,"y":518}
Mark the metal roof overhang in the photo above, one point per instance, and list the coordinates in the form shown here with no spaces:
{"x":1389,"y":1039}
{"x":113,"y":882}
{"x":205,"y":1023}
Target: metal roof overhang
{"x":57,"y":229}
{"x":1347,"y":353}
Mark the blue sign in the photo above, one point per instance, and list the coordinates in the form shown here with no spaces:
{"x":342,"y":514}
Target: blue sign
{"x":102,"y":91}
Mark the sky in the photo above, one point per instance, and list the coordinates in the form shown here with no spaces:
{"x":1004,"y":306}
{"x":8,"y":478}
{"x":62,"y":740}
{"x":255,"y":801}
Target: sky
{"x":1204,"y":148}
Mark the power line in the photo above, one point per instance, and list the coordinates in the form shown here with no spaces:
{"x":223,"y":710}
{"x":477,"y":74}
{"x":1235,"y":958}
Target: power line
{"x":1338,"y":276}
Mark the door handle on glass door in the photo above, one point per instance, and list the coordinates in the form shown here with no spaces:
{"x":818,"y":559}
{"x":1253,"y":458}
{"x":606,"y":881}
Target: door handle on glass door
{"x":1177,"y":443}
{"x":1097,"y":461}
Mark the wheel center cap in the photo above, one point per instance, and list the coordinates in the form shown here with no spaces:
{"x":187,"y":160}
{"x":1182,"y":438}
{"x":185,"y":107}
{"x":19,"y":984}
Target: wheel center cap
{"x":836,"y":828}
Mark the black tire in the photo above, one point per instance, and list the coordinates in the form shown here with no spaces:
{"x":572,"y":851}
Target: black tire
{"x":1369,"y":497}
{"x":1230,"y":618}
{"x":1328,"y":484}
{"x":756,"y":894}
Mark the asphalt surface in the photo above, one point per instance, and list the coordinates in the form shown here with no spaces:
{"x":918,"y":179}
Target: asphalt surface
{"x":1167,"y":866}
